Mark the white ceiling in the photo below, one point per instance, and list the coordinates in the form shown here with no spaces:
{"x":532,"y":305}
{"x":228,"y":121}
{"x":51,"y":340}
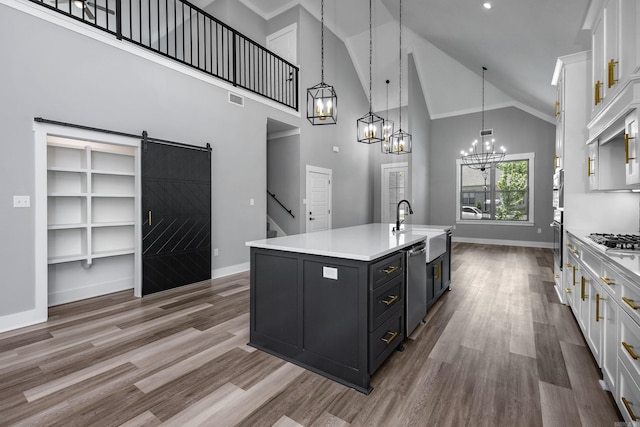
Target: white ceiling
{"x":517,"y":40}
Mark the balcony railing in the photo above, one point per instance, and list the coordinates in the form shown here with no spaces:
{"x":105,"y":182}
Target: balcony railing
{"x":181,"y":31}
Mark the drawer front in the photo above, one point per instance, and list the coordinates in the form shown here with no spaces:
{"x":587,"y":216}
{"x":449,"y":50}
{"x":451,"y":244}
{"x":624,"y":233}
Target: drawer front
{"x":384,"y":270}
{"x":628,"y":296}
{"x":611,"y":280}
{"x":628,"y":395}
{"x":384,"y":302}
{"x":384,"y":340}
{"x":629,"y":345}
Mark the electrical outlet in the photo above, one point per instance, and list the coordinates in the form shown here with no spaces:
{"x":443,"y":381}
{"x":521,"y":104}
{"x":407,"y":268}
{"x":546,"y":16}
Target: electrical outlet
{"x":21,"y":201}
{"x":215,"y":251}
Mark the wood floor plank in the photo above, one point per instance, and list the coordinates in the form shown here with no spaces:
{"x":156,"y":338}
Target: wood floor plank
{"x":498,"y":350}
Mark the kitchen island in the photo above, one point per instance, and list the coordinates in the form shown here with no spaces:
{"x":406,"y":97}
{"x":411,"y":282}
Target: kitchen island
{"x":333,"y":301}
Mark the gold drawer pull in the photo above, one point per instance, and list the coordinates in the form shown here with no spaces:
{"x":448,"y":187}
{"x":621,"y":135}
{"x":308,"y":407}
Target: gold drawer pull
{"x":567,"y":290}
{"x":391,"y":269}
{"x":598,"y":299}
{"x":629,"y":349}
{"x":582,"y":294}
{"x":575,"y":251}
{"x":630,"y":303}
{"x":627,"y":405}
{"x":569,"y":245}
{"x":607,"y":281}
{"x":389,"y":300}
{"x":557,"y":276}
{"x":391,"y":337}
{"x":574,"y":275}
{"x":568,"y":265}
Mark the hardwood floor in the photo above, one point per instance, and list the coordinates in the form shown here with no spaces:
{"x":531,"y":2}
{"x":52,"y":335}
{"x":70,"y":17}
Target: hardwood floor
{"x":499,"y":350}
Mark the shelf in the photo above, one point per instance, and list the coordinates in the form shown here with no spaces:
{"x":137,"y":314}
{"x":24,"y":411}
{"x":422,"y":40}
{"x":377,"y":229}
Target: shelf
{"x":67,"y":194}
{"x":66,"y":169}
{"x":66,"y":226}
{"x":105,"y":254}
{"x":65,"y":158}
{"x":116,"y":163}
{"x":111,"y":173}
{"x":104,"y":195}
{"x":113,"y":224}
{"x":67,"y":258}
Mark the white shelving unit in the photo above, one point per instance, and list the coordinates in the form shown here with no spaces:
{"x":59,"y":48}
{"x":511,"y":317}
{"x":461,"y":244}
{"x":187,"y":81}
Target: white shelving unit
{"x":91,"y":216}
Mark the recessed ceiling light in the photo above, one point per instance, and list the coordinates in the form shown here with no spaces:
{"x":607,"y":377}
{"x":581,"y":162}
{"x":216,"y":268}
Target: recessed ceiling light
{"x":486,"y":5}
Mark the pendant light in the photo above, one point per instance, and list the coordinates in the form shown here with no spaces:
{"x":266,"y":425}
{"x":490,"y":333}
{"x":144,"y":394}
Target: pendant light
{"x":322,"y":101}
{"x":387,"y":129}
{"x":400,"y":140}
{"x":370,"y":127}
{"x":482,"y":154}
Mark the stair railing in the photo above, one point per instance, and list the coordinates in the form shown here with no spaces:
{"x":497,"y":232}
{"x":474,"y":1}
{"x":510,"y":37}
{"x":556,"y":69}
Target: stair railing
{"x":280,"y":203}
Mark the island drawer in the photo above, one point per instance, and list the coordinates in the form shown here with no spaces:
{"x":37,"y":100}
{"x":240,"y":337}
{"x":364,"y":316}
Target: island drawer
{"x":384,"y":301}
{"x":384,"y":340}
{"x":386,"y":269}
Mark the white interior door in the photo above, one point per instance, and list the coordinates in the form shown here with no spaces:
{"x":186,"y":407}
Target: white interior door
{"x":284,"y":43}
{"x":318,"y":207}
{"x":394,"y":186}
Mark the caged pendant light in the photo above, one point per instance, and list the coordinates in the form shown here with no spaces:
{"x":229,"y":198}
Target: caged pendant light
{"x":370,"y":127}
{"x":387,"y":129}
{"x":322,"y":100}
{"x":482,"y":154}
{"x":400,"y":140}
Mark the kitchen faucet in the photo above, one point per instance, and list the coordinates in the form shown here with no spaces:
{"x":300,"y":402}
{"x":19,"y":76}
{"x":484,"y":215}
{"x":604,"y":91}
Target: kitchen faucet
{"x":398,"y":212}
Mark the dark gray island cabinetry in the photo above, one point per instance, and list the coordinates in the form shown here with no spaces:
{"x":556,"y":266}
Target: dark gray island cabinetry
{"x":338,"y":317}
{"x":332,"y":301}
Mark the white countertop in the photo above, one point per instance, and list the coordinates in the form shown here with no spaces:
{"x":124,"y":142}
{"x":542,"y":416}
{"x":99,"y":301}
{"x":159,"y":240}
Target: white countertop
{"x":362,"y":242}
{"x":626,"y":261}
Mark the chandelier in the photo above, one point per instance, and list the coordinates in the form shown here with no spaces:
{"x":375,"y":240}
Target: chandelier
{"x":482,"y":153}
{"x":387,"y":129}
{"x":322,"y":100}
{"x":370,"y":127}
{"x":400,"y":140}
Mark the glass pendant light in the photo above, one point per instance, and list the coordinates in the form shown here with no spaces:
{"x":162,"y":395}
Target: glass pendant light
{"x":400,"y":140}
{"x":322,"y":100}
{"x":370,"y":127}
{"x":387,"y":129}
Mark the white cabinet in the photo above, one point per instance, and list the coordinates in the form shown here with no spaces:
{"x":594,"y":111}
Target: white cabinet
{"x":91,"y":215}
{"x":592,"y":166}
{"x":560,"y":124}
{"x":631,"y":151}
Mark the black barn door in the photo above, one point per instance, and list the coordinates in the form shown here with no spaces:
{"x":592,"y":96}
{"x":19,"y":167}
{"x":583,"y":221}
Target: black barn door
{"x":176,"y":208}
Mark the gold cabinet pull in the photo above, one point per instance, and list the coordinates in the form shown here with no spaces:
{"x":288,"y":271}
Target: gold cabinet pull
{"x":598,"y":299}
{"x":575,"y":251}
{"x":149,"y":217}
{"x":627,"y":405}
{"x":582,"y":294}
{"x":389,"y":300}
{"x":557,"y":276}
{"x":557,"y":108}
{"x":629,"y":349}
{"x":391,"y":269}
{"x":630,"y":303}
{"x":437,"y":273}
{"x":574,"y":275}
{"x":567,"y":290}
{"x":391,"y":336}
{"x":569,"y":245}
{"x":607,"y":281}
{"x":611,"y":80}
{"x":626,"y":148}
{"x":556,"y":158}
{"x":597,"y":96}
{"x":589,"y":160}
{"x":568,"y":265}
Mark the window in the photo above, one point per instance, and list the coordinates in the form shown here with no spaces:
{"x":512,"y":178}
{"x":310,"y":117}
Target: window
{"x":501,"y":194}
{"x":394,"y":184}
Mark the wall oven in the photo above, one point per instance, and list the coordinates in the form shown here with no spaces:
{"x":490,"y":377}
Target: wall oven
{"x":557,"y":226}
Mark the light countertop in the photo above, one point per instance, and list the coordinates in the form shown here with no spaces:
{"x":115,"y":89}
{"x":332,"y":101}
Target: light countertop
{"x":630,"y":261}
{"x":362,"y":242}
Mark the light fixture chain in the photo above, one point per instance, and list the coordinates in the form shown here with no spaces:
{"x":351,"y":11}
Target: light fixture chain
{"x":400,"y":76}
{"x":370,"y":58}
{"x":322,"y":41}
{"x":483,"y":70}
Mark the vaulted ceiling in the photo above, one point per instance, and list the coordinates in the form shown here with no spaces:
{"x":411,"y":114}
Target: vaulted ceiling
{"x":451,"y":40}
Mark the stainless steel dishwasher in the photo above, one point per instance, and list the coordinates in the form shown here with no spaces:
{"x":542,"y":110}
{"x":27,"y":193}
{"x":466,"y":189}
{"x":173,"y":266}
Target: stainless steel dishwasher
{"x":416,"y":286}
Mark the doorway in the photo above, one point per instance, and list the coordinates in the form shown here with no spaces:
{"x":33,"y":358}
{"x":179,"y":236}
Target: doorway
{"x":318,"y":198}
{"x":394,"y":188}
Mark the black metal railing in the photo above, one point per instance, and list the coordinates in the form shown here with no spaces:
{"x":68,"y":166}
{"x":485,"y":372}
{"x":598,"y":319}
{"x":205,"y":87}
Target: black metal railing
{"x":181,"y":31}
{"x":280,"y":203}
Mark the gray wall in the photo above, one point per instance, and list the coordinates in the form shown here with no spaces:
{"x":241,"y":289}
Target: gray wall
{"x":241,"y":18}
{"x":283,"y":166}
{"x":519,"y":132}
{"x":420,"y":128}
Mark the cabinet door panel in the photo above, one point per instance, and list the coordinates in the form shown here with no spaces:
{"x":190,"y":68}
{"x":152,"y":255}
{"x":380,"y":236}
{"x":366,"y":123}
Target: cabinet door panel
{"x":632,"y":154}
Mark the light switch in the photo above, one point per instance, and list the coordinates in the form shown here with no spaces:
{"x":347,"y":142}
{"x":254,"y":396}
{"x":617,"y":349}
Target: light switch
{"x":330,"y":273}
{"x":251,"y":202}
{"x":21,"y":201}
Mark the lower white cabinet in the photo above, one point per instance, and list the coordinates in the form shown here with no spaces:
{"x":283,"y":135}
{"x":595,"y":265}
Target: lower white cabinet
{"x":605,"y":300}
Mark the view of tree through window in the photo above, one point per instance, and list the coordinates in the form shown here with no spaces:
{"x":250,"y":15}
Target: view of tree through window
{"x":499,"y":193}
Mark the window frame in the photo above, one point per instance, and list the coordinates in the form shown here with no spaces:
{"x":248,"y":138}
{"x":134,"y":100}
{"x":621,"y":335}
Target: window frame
{"x":530,"y":222}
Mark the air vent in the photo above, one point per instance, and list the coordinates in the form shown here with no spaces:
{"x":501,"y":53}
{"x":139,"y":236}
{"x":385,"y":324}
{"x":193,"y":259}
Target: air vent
{"x":486,"y":132}
{"x":236,"y":99}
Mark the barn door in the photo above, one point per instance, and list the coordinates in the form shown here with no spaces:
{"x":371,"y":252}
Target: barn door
{"x":176,"y":208}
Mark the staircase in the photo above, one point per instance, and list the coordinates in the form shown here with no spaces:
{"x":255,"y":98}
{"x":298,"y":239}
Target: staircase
{"x":271,"y":233}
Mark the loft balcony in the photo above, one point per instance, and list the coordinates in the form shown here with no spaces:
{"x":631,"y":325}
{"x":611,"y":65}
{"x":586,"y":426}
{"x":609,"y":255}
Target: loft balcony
{"x":178,"y":30}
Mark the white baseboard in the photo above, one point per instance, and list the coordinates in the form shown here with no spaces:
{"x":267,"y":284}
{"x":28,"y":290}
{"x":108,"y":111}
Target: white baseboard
{"x":90,"y":291}
{"x":546,"y":245}
{"x":22,"y":319}
{"x":232,"y":269}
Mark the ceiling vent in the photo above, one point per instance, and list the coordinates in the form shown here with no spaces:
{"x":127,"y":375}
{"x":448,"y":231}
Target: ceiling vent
{"x":486,"y":132}
{"x":236,"y":99}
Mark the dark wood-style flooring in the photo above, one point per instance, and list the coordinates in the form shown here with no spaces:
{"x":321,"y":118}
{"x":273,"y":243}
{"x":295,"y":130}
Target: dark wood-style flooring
{"x":499,"y":350}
